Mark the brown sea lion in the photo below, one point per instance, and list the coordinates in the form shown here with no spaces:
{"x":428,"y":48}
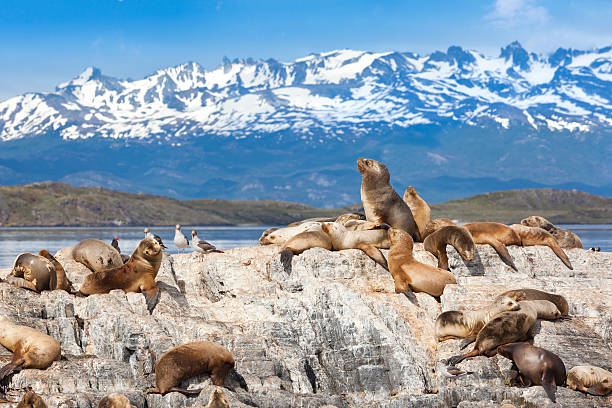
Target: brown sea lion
{"x":315,"y":219}
{"x":315,"y":238}
{"x":497,"y":235}
{"x":31,"y":348}
{"x":115,"y":401}
{"x":137,"y":275}
{"x":419,"y":208}
{"x":344,"y":218}
{"x":369,"y":241}
{"x":217,"y":399}
{"x":537,"y":236}
{"x":279,"y":236}
{"x":534,"y":294}
{"x":31,"y":400}
{"x":434,"y":225}
{"x":96,"y":255}
{"x":410,"y":274}
{"x":32,"y":272}
{"x":565,"y":238}
{"x":458,"y":237}
{"x":381,"y":203}
{"x":191,"y":359}
{"x":58,"y":281}
{"x":590,"y":379}
{"x":536,"y":366}
{"x":467,"y":323}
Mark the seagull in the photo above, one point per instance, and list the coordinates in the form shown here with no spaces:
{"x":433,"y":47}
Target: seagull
{"x":180,"y":240}
{"x":201,"y":246}
{"x":149,"y":234}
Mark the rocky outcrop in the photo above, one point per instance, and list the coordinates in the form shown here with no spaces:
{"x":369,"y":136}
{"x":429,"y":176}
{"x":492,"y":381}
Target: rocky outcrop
{"x":327,"y":332}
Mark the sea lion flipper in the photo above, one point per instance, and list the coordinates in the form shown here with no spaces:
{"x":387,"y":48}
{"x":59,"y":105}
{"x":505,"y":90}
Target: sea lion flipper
{"x":549,"y":385}
{"x":503,"y":253}
{"x":11,"y":367}
{"x":600,"y":389}
{"x":185,"y":391}
{"x":466,"y":342}
{"x":375,"y":254}
{"x":21,"y":283}
{"x":286,"y":256}
{"x":560,"y":254}
{"x":151,"y":297}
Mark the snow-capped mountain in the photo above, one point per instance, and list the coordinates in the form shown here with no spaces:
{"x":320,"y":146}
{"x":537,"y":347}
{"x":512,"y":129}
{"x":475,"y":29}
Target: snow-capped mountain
{"x":543,"y":118}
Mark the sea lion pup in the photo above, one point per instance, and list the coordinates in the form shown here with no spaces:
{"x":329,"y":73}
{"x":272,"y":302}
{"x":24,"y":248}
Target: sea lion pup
{"x":31,"y":400}
{"x":537,"y":236}
{"x":96,"y":255}
{"x":31,"y":348}
{"x":32,"y":272}
{"x":217,"y":399}
{"x":191,"y":359}
{"x":536,"y":366}
{"x":382,"y":205}
{"x":368,"y":241}
{"x":58,"y":281}
{"x":534,"y":294}
{"x":279,"y":236}
{"x":410,"y":274}
{"x":590,"y":379}
{"x":115,"y":401}
{"x":467,"y":323}
{"x":434,"y":225}
{"x":497,"y":235}
{"x":136,"y":275}
{"x":299,"y":243}
{"x":458,"y":237}
{"x":565,"y":238}
{"x":419,"y":208}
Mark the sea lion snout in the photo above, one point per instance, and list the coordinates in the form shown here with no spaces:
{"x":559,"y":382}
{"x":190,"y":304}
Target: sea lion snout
{"x":362,"y":164}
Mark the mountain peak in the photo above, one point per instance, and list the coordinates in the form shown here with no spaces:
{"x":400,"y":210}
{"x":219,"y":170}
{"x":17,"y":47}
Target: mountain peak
{"x":517,"y":54}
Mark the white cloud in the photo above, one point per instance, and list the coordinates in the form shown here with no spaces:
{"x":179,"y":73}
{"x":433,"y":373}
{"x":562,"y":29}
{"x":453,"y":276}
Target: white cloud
{"x":510,"y":13}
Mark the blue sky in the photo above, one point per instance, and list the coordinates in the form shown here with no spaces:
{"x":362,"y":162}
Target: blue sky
{"x":48,"y":42}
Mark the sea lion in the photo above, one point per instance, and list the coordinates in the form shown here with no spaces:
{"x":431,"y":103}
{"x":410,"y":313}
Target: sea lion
{"x":191,"y":359}
{"x":299,"y":243}
{"x":136,"y":275}
{"x":497,"y":235}
{"x":315,"y":219}
{"x":31,"y":400}
{"x":115,"y":401}
{"x":534,"y":294}
{"x":59,"y":280}
{"x":590,"y":379}
{"x":565,"y":238}
{"x":217,"y":399}
{"x":537,"y":236}
{"x":536,"y":366}
{"x":434,"y":225}
{"x":410,"y":274}
{"x":381,"y":203}
{"x":419,"y":208}
{"x":31,"y":348}
{"x":32,"y":272}
{"x":368,"y":241}
{"x":467,"y":323}
{"x":279,"y":236}
{"x":458,"y":237}
{"x":344,"y":218}
{"x":96,"y":255}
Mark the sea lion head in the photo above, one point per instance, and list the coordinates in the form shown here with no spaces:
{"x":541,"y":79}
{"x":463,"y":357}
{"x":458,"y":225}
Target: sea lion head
{"x":31,"y":399}
{"x":508,"y":303}
{"x":507,"y":350}
{"x":344,"y":218}
{"x":398,"y":236}
{"x":374,"y":170}
{"x":332,"y":228}
{"x":217,"y":399}
{"x":149,"y":249}
{"x":410,"y":190}
{"x":268,"y":237}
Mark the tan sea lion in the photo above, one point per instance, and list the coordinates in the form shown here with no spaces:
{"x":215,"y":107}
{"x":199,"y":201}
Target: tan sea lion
{"x":368,"y":241}
{"x":497,"y":235}
{"x":590,"y":379}
{"x":136,"y":275}
{"x":315,"y":219}
{"x":537,"y":236}
{"x":381,"y":203}
{"x":536,"y":366}
{"x":31,"y":400}
{"x":410,"y":274}
{"x":419,"y":208}
{"x":58,"y":281}
{"x":299,"y":243}
{"x":534,"y":294}
{"x":434,"y":225}
{"x":32,"y":272}
{"x":217,"y":399}
{"x":344,"y":218}
{"x":565,"y":238}
{"x":458,"y":237}
{"x":115,"y":401}
{"x":191,"y":359}
{"x":281,"y":235}
{"x":96,"y":255}
{"x":31,"y":348}
{"x":467,"y":323}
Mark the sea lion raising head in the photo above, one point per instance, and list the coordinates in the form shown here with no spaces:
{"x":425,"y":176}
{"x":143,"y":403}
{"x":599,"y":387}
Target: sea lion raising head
{"x":419,"y":208}
{"x":96,"y":255}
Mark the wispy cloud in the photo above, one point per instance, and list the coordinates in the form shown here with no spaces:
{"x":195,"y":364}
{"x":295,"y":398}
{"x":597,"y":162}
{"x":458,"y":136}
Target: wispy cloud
{"x":511,"y":13}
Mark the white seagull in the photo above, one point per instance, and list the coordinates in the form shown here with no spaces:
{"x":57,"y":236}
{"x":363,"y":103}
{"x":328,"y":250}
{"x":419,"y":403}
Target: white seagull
{"x":149,"y":234}
{"x":201,"y":246}
{"x":180,"y":240}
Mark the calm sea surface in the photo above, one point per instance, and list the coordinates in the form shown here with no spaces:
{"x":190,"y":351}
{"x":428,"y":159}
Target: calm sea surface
{"x":14,"y":241}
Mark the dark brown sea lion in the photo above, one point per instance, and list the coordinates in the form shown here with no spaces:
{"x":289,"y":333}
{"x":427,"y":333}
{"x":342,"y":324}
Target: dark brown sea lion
{"x":419,"y":208}
{"x":434,"y":225}
{"x":565,"y":238}
{"x":137,"y":275}
{"x":497,"y":235}
{"x":410,"y":274}
{"x":115,"y":401}
{"x":590,"y":379}
{"x":191,"y":359}
{"x":536,"y":366}
{"x":537,"y":236}
{"x":458,"y":237}
{"x":534,"y":294}
{"x":32,"y":272}
{"x":96,"y":255}
{"x":31,"y":400}
{"x":31,"y":348}
{"x":58,"y":278}
{"x":382,"y":205}
{"x":369,"y":241}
